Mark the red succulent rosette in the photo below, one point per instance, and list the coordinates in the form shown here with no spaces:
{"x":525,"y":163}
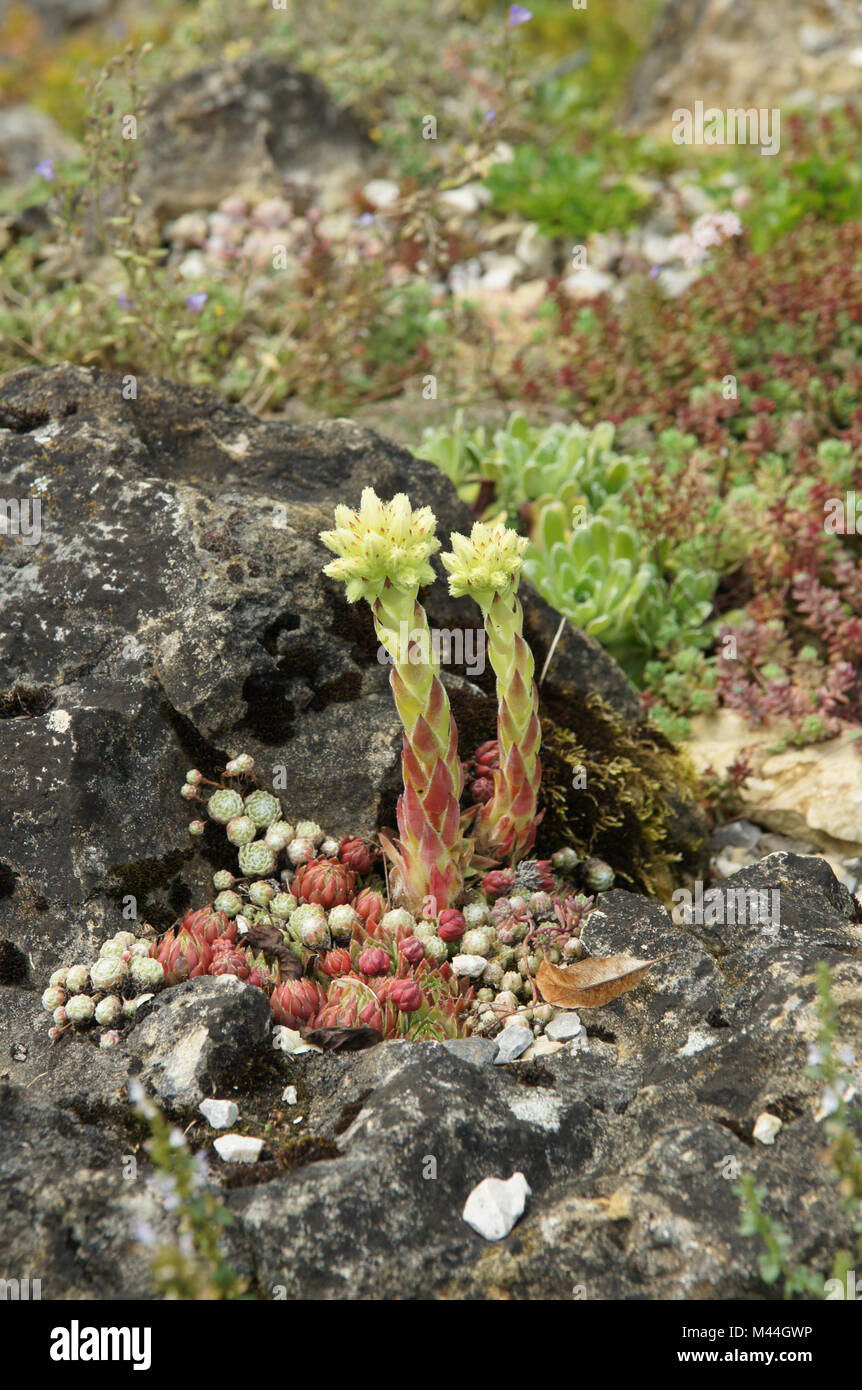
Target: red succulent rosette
{"x":358,"y":855}
{"x":324,"y":881}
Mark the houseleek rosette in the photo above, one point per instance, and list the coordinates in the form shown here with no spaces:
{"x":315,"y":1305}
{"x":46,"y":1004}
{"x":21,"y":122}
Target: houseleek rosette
{"x":383,"y":554}
{"x":488,"y":568}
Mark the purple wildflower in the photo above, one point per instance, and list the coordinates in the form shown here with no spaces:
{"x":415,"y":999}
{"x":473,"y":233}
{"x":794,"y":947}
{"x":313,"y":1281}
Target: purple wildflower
{"x":196,"y":301}
{"x":45,"y":169}
{"x":518,"y":15}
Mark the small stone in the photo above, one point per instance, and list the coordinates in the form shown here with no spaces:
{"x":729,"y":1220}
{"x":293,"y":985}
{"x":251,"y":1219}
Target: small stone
{"x":542,"y":1047}
{"x":471,"y":966}
{"x":513,"y":1040}
{"x":766,"y":1126}
{"x":587,"y":282}
{"x":221,"y":1114}
{"x":563,"y":1027}
{"x":238,"y":1148}
{"x":494,"y":1206}
{"x":479,"y":1051}
{"x":381,"y":193}
{"x":740,"y":833}
{"x":289,"y":1096}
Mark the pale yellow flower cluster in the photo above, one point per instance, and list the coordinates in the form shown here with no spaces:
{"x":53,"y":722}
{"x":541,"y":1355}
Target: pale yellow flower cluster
{"x":383,"y":541}
{"x":488,"y":563}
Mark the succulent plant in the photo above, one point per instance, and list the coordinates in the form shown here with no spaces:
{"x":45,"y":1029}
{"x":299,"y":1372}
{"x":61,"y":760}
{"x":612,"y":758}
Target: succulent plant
{"x":488,"y":568}
{"x":147,"y":972}
{"x":600,"y":576}
{"x":108,"y":973}
{"x":598,"y":876}
{"x":80,"y":1008}
{"x":310,"y":830}
{"x":370,"y":905}
{"x":262,"y":808}
{"x":411,"y":949}
{"x":224,"y":805}
{"x":294,"y":1003}
{"x":383,"y":555}
{"x":343,"y":921}
{"x":229,"y":903}
{"x":325,"y":881}
{"x":407,"y":996}
{"x":451,"y":925}
{"x":182,"y":956}
{"x":53,"y":998}
{"x":108,"y":1011}
{"x":300,"y":850}
{"x":241,"y":830}
{"x":336,"y":962}
{"x":257,"y":860}
{"x":279,"y":835}
{"x":282,"y":905}
{"x":77,"y":979}
{"x":209,"y":924}
{"x":357,"y":855}
{"x":373,"y":961}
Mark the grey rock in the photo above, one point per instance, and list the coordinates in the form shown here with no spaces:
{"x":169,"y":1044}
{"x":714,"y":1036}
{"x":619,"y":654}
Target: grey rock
{"x":198,"y":1036}
{"x":511,"y":1042}
{"x":563,"y":1027}
{"x":27,"y":137}
{"x":246,"y":127}
{"x":479,"y":1051}
{"x":632,"y":1149}
{"x":174,"y":612}
{"x":740,"y":833}
{"x":712,"y":51}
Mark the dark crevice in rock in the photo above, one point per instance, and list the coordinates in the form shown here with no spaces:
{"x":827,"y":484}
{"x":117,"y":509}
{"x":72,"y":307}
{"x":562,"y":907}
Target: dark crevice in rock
{"x":200,"y":752}
{"x":270,"y":712}
{"x":25,"y":702}
{"x":144,"y":878}
{"x":349,"y":1113}
{"x":534,"y":1074}
{"x":24,"y":420}
{"x":293,"y":1154}
{"x":716,"y":1019}
{"x":8,"y":879}
{"x":741,"y":1131}
{"x":13,"y":964}
{"x":595,"y":1030}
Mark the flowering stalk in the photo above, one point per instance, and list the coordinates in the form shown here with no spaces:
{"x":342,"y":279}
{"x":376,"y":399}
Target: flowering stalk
{"x":383,"y":555}
{"x":488,"y":568}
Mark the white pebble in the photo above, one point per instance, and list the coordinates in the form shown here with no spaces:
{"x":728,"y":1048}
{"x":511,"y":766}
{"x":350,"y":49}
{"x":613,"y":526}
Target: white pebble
{"x":238,"y":1148}
{"x":289,"y":1095}
{"x":563,"y":1027}
{"x":494,"y":1206}
{"x":766,"y":1127}
{"x":221,"y":1114}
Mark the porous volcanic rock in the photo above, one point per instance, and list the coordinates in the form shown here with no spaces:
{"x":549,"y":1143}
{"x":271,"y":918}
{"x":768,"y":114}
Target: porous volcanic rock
{"x":248,"y":127}
{"x":632,"y":1142}
{"x":173,"y":612}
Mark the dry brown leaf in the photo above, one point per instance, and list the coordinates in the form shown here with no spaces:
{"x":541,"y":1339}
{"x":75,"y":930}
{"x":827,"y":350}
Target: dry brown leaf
{"x":589,"y":983}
